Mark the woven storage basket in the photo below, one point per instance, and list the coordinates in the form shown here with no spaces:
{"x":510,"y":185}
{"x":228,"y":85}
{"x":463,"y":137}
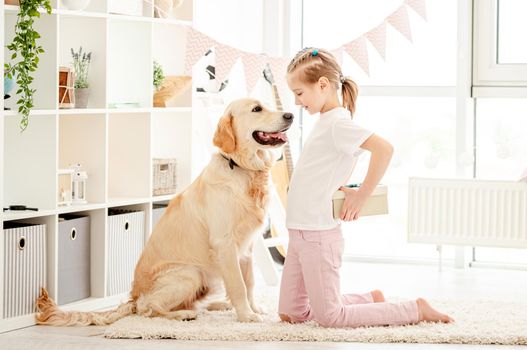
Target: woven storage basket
{"x":164,"y":178}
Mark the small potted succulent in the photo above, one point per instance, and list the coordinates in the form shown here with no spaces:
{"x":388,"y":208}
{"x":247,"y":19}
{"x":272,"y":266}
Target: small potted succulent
{"x":81,"y":63}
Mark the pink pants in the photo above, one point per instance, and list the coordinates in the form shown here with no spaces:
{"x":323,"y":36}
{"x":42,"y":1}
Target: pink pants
{"x":310,"y":288}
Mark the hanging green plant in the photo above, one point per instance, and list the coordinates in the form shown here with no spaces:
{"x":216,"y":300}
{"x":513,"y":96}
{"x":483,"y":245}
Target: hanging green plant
{"x":25,"y":48}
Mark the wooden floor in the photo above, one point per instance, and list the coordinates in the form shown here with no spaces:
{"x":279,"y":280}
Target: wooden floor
{"x":408,"y":281}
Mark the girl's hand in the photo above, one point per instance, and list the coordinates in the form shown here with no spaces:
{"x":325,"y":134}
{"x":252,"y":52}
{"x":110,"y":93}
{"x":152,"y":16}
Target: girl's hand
{"x":353,"y":202}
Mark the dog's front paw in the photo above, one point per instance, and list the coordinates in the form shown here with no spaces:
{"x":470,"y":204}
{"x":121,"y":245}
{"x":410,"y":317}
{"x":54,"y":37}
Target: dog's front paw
{"x":257,"y":308}
{"x":249,"y":317}
{"x":219,"y":306}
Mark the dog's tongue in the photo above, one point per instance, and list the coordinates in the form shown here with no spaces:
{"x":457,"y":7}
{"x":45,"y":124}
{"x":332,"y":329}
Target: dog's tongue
{"x":275,"y":135}
{"x":279,"y":135}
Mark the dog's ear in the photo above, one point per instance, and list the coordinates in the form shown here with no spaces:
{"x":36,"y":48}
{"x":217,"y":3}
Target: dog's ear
{"x":224,"y":135}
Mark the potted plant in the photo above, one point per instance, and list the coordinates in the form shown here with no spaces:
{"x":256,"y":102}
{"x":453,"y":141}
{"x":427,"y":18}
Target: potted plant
{"x":81,"y":63}
{"x":25,"y":49}
{"x":159,"y":76}
{"x":168,"y":87}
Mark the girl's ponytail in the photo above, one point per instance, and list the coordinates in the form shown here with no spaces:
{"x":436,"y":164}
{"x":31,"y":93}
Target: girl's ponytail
{"x":350,"y":90}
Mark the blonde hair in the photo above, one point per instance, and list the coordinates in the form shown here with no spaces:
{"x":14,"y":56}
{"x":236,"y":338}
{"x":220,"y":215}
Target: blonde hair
{"x":316,"y":63}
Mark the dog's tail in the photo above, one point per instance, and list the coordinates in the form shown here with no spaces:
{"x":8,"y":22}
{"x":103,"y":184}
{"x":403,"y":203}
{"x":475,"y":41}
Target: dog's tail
{"x":50,"y":314}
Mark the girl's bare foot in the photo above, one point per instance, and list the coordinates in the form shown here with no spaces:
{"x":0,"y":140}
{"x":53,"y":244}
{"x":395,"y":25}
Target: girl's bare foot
{"x":377,"y":296}
{"x":427,"y":313}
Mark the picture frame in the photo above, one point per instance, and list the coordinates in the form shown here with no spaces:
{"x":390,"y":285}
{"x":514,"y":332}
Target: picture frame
{"x":66,"y":89}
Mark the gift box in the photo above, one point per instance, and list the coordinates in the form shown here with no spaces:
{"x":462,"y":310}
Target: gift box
{"x":376,"y":204}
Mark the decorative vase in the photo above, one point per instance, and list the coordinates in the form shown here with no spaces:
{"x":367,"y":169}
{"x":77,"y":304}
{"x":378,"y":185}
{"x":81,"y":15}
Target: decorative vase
{"x":81,"y":97}
{"x":163,"y":8}
{"x":75,"y":5}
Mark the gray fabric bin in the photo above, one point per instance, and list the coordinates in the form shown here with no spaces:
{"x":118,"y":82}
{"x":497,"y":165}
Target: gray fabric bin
{"x":126,"y":232}
{"x":73,"y":258}
{"x":157,"y":212}
{"x":24,"y":267}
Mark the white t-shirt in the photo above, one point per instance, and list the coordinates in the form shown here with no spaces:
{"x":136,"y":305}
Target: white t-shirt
{"x":325,"y":164}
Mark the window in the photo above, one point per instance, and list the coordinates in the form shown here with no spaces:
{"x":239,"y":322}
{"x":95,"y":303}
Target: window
{"x":500,"y":77}
{"x":409,"y":99}
{"x":511,"y":25}
{"x":501,"y":154}
{"x":422,"y":131}
{"x":332,"y":23}
{"x":500,"y":57}
{"x":501,"y":146}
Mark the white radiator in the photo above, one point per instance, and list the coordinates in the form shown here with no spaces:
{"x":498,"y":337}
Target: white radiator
{"x":467,"y":212}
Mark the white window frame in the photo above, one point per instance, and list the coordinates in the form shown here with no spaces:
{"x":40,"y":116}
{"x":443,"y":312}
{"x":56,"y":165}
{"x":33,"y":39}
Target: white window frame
{"x":490,"y":78}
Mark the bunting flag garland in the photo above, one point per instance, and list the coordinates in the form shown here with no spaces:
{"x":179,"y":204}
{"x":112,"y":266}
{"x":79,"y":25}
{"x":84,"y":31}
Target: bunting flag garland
{"x":399,"y":20}
{"x":278,"y":66}
{"x":418,"y":6}
{"x":226,"y":56}
{"x":377,"y":38}
{"x":197,"y":45}
{"x":359,"y":52}
{"x":253,"y":66}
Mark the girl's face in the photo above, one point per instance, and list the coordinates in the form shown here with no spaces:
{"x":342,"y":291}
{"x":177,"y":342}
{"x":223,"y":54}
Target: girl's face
{"x":312,"y":97}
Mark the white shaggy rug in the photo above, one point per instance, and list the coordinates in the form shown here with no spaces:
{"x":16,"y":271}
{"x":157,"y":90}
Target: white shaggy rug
{"x":477,"y":322}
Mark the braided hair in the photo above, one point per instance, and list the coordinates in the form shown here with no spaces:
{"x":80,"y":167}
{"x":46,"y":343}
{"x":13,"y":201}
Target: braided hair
{"x":316,"y":63}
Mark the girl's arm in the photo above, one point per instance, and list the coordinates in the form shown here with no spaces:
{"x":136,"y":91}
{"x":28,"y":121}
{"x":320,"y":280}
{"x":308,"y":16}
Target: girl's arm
{"x":381,"y":153}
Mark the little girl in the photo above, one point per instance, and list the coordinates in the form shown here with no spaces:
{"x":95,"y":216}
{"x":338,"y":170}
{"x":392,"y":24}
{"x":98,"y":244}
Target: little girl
{"x":310,"y":288}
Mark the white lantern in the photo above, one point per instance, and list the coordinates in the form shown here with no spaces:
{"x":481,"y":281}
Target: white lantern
{"x":78,"y":185}
{"x":65,"y":186}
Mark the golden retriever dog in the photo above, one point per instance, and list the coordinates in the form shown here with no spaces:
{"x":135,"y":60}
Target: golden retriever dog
{"x":205,"y":236}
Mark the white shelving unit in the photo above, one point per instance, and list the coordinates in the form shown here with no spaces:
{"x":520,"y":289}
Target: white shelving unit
{"x":114,"y":145}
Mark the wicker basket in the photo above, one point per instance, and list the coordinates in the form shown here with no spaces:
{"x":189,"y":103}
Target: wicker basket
{"x":165,"y":178}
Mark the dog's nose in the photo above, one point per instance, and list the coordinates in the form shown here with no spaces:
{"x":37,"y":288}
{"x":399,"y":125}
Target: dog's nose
{"x":288,"y":116}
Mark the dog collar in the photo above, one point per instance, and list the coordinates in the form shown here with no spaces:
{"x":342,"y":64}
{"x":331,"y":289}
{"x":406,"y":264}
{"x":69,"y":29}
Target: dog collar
{"x":232,"y":163}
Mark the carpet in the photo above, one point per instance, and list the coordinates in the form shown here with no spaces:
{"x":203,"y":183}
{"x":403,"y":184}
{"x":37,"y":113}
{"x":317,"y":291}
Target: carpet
{"x":477,"y":322}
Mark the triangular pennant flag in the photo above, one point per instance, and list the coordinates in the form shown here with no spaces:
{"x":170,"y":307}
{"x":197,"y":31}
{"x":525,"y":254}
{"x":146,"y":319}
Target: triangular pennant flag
{"x":377,"y":38}
{"x":226,"y":56}
{"x":278,"y":67}
{"x":359,"y":52}
{"x":399,"y":20}
{"x":253,"y":65}
{"x":418,"y":6}
{"x":196,"y":46}
{"x":338,"y":55}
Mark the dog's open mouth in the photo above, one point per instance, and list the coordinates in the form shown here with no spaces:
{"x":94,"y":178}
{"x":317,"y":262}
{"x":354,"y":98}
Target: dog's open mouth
{"x":270,"y":138}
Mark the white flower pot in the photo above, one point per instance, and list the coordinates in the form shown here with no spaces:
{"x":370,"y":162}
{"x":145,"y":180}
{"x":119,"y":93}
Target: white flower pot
{"x":76,"y":5}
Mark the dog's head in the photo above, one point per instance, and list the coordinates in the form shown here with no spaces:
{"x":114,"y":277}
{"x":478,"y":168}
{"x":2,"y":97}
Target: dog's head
{"x":248,"y":129}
